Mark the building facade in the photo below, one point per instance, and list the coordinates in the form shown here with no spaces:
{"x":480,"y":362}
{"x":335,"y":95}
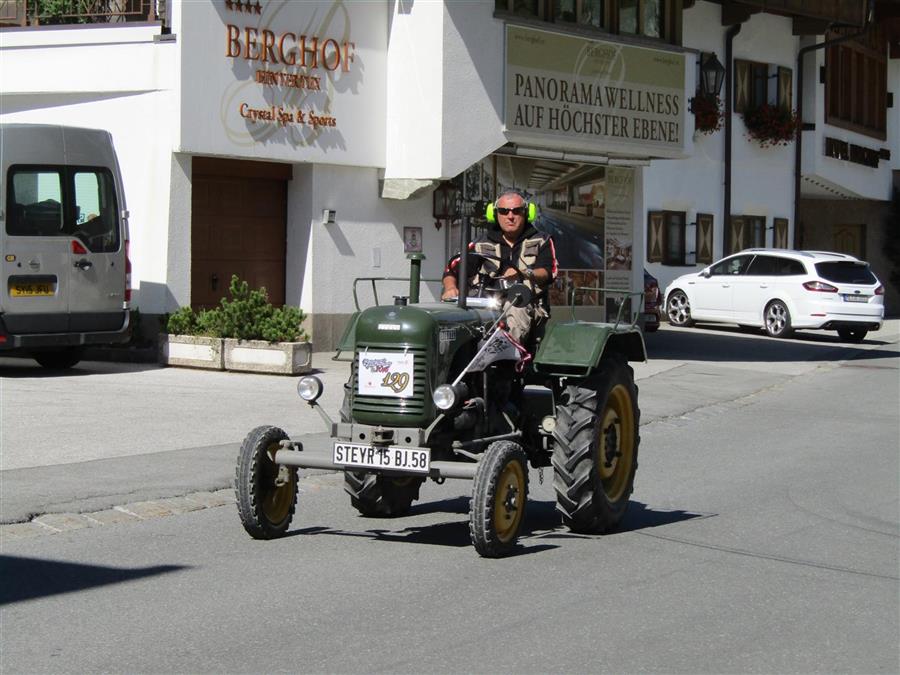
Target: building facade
{"x":304,"y":145}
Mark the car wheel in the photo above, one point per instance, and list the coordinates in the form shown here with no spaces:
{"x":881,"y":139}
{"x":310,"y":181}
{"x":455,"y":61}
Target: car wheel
{"x":852,"y":334}
{"x":778,"y":320}
{"x":678,"y":309}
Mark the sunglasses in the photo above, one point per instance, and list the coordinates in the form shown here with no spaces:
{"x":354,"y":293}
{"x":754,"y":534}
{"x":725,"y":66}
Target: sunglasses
{"x":517,"y":211}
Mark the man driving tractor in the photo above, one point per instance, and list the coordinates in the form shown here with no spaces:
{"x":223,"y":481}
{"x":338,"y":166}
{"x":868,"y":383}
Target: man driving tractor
{"x":515,"y":250}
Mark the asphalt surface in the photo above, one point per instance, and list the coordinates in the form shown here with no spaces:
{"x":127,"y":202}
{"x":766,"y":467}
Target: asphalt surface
{"x":762,"y":537}
{"x":106,"y":434}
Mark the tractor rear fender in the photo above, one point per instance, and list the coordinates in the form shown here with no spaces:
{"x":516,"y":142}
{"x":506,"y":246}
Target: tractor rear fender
{"x":575,"y":348}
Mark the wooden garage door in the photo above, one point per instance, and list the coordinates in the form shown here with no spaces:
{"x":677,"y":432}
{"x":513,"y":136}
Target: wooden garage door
{"x":238,"y":221}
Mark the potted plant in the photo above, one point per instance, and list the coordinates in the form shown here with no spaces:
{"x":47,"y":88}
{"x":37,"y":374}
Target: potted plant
{"x":771,"y":125}
{"x":708,"y":115}
{"x":260,"y":337}
{"x":192,"y":339}
{"x":245,"y":332}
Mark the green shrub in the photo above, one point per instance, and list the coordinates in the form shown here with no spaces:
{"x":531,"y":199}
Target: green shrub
{"x":247,"y":315}
{"x":284,"y":326}
{"x":182,"y":322}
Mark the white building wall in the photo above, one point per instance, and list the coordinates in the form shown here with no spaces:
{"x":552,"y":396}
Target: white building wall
{"x":117,"y":79}
{"x":762,"y":178}
{"x":473,"y":84}
{"x":414,"y":91}
{"x":855,"y":180}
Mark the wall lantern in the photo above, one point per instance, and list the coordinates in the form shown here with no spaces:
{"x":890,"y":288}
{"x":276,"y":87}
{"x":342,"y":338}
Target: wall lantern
{"x":328,"y":216}
{"x":712,"y":74}
{"x":446,"y":203}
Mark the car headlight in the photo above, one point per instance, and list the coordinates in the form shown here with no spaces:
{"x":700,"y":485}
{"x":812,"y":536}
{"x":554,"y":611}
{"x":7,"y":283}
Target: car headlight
{"x":310,"y":388}
{"x":449,"y":396}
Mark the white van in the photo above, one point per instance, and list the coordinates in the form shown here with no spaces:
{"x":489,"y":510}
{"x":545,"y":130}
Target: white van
{"x":63,"y":241}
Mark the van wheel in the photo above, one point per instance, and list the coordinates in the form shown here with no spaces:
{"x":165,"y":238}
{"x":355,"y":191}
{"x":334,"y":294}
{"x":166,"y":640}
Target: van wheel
{"x":59,"y":360}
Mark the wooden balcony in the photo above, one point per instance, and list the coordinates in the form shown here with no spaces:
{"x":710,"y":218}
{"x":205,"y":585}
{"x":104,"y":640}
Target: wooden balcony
{"x":79,"y":12}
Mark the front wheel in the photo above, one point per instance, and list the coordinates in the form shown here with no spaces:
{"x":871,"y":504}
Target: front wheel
{"x":778,"y":320}
{"x":266,"y":492}
{"x":852,"y":334}
{"x":499,"y":495}
{"x":377,"y":496}
{"x":678,"y":309}
{"x":596,"y":450}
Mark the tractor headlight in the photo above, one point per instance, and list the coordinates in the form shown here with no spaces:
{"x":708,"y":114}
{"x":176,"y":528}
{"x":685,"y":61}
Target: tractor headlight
{"x":449,"y":396}
{"x":310,"y":388}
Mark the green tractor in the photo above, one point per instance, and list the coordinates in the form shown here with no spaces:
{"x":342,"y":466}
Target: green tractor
{"x":437,"y":390}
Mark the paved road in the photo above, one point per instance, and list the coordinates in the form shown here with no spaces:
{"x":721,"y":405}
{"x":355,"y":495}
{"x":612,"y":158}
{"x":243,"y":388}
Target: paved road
{"x":105,"y":434}
{"x":762,"y":537}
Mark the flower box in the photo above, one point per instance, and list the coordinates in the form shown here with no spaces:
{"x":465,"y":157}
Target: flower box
{"x":192,"y":351}
{"x":259,"y":356}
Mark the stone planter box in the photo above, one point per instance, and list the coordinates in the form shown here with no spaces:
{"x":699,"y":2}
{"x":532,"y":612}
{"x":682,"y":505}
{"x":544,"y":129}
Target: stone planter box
{"x":259,"y":356}
{"x":191,"y":351}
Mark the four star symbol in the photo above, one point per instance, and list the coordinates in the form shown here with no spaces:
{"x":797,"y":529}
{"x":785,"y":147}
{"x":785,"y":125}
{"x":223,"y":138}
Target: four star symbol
{"x":238,"y":6}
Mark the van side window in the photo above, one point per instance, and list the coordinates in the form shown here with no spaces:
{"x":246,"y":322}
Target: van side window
{"x":35,"y":204}
{"x":64,"y":201}
{"x":95,"y":210}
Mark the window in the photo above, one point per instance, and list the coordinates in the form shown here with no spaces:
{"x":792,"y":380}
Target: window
{"x":64,"y":202}
{"x":736,"y":265}
{"x":856,"y":83}
{"x":764,"y":265}
{"x":846,"y":272}
{"x":751,"y":85}
{"x":666,"y":237}
{"x":746,"y":232}
{"x":658,"y":19}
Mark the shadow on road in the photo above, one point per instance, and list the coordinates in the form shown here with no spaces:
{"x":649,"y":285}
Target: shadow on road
{"x":32,"y":578}
{"x":542,"y":522}
{"x":22,"y":366}
{"x":723,"y":344}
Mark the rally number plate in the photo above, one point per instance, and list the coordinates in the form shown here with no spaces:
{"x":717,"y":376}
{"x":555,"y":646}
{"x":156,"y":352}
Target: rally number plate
{"x":415,"y":460}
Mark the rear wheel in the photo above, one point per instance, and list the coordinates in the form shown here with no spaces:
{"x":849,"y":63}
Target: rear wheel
{"x":376,"y":496}
{"x":678,"y":309}
{"x":778,"y":320}
{"x":499,"y":495}
{"x":852,"y":334}
{"x":266,"y":492}
{"x":595,"y":455}
{"x":62,"y":359}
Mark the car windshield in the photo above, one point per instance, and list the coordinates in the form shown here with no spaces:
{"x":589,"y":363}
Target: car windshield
{"x":846,"y":272}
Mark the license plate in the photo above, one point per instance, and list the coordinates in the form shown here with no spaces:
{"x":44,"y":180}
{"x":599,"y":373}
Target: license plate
{"x":30,"y":290}
{"x":856,"y":298}
{"x":415,"y":460}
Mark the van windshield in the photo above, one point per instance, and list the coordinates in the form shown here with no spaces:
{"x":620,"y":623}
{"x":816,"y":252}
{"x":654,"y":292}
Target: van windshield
{"x":62,"y":201}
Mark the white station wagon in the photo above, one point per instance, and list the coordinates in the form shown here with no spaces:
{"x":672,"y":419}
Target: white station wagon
{"x":781,"y":290}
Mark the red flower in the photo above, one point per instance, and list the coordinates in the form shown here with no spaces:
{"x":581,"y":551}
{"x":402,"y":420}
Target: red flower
{"x":771,"y":125}
{"x":708,"y":117}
